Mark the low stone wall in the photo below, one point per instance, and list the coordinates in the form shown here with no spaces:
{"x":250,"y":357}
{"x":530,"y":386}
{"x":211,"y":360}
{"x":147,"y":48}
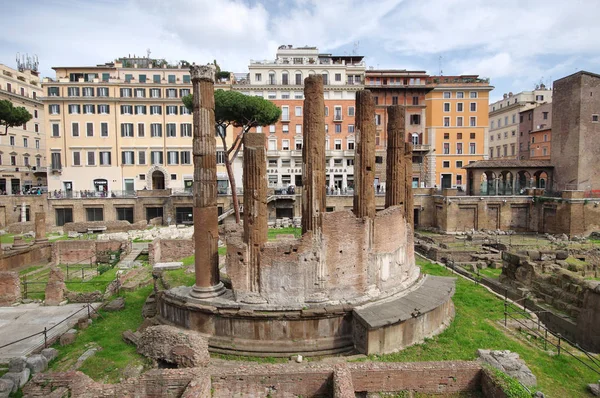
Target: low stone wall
{"x":167,"y":250}
{"x":34,"y":254}
{"x":10,"y":288}
{"x":307,"y":380}
{"x":111,"y":226}
{"x":76,"y":251}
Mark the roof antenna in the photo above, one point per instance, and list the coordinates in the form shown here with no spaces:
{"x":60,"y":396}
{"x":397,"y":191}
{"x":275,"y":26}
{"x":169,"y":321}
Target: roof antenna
{"x":440,"y":65}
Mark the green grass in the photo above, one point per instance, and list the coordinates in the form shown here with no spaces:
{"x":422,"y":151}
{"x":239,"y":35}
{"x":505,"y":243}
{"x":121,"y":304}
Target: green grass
{"x":115,"y":355}
{"x":139,"y":240}
{"x":493,"y":273}
{"x":179,"y":277}
{"x":98,"y":282}
{"x":273,"y":232}
{"x":250,"y":359}
{"x":476,"y":326}
{"x":223,"y":251}
{"x":30,"y":269}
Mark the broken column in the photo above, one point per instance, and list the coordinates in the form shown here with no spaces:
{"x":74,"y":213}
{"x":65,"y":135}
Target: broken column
{"x":364,"y":158}
{"x":10,"y":288}
{"x":313,"y":155}
{"x":55,"y":288}
{"x":206,"y":233}
{"x":255,"y":203}
{"x":395,"y":173}
{"x":40,"y":228}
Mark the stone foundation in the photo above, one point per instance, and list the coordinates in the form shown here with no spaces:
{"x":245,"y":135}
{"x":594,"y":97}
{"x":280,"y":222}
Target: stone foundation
{"x":10,"y":288}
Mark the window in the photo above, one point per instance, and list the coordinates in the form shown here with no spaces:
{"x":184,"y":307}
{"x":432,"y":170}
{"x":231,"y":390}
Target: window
{"x":36,"y":128}
{"x":514,"y":118}
{"x":459,"y":164}
{"x":13,"y":160}
{"x":55,"y":161}
{"x":446,"y":136}
{"x":171,"y":79}
{"x":326,"y":111}
{"x":376,"y":100}
{"x":285,"y":79}
{"x":595,"y":118}
{"x":395,"y":100}
{"x":338,"y":77}
{"x":73,"y":91}
{"x":183,"y":110}
{"x":350,"y":145}
{"x":37,"y":144}
{"x":141,"y":157}
{"x":94,"y":214}
{"x":459,"y":148}
{"x":54,"y":109}
{"x":378,"y":120}
{"x":126,"y":109}
{"x":505,"y":120}
{"x":89,"y":128}
{"x":105,"y":158}
{"x":298,"y":95}
{"x":285,"y":129}
{"x":156,"y":130}
{"x":91,"y":158}
{"x":446,"y":107}
{"x":272,"y":95}
{"x":474,"y":108}
{"x":298,"y":129}
{"x":127,"y":157}
{"x":298,"y":79}
{"x":88,"y":91}
{"x":512,"y":149}
{"x":74,"y":109}
{"x":125,"y":93}
{"x":446,"y":148}
{"x":472,"y":136}
{"x":298,"y":111}
{"x":141,"y":130}
{"x":506,"y":134}
{"x":459,"y":136}
{"x":338,"y":128}
{"x":298,"y":147}
{"x":473,"y":94}
{"x":544,"y":151}
{"x":186,"y":157}
{"x":350,"y":128}
{"x":184,"y":92}
{"x":258,"y":77}
{"x":172,"y":157}
{"x":325,"y":79}
{"x":272,"y":128}
{"x":446,"y":164}
{"x":140,"y":109}
{"x":446,"y":121}
{"x":126,"y":129}
{"x":379,"y":159}
{"x":492,"y":137}
{"x":459,"y":106}
{"x":171,"y":110}
{"x":52,"y":91}
{"x":102,"y":91}
{"x":349,"y":162}
{"x":472,"y":148}
{"x":459,"y":121}
{"x":187,"y":78}
{"x":155,"y":92}
{"x":513,"y":133}
{"x":156,"y":157}
{"x":75,"y":129}
{"x":171,"y":93}
{"x":337,"y":145}
{"x":171,"y":130}
{"x":284,"y":95}
{"x":125,"y":213}
{"x":539,"y":97}
{"x":285,"y":113}
{"x":337,"y":113}
{"x":447,"y":94}
{"x":472,"y":121}
{"x":55,"y":130}
{"x":285,"y":145}
{"x":103,"y":109}
{"x":186,"y":129}
{"x":155,"y":109}
{"x":460,"y":94}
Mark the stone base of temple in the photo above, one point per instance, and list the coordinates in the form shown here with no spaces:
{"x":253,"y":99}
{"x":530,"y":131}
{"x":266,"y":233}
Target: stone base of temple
{"x":328,"y":328}
{"x":207,"y":292}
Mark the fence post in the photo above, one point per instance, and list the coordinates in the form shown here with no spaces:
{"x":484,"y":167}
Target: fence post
{"x":45,"y":337}
{"x":67,"y":271}
{"x":88,"y":309}
{"x":24,"y":286}
{"x":82,"y":272}
{"x":505,"y":313}
{"x":558,"y":347}
{"x":545,"y":339}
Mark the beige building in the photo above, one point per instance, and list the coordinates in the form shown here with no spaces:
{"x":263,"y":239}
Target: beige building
{"x":120,"y":127}
{"x":23,"y":149}
{"x":503,"y":138}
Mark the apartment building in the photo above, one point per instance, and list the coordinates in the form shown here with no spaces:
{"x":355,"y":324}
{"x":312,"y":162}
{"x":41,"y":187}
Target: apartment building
{"x":120,"y":127}
{"x":456,"y":126}
{"x":535,"y":132}
{"x":23,"y":149}
{"x":281,"y":81}
{"x":504,"y":135}
{"x":408,"y":88}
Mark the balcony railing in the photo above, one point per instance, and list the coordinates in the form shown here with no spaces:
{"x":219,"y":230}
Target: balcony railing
{"x":90,"y":194}
{"x":421,"y":147}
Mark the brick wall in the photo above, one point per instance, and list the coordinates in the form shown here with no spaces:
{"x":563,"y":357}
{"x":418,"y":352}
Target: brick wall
{"x":35,"y":254}
{"x":167,"y":250}
{"x":76,"y":251}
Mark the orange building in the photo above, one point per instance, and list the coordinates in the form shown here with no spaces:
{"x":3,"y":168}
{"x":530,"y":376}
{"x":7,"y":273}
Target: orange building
{"x":457,"y":125}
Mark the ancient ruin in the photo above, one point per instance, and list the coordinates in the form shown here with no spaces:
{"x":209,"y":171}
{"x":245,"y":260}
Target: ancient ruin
{"x":350,"y":282}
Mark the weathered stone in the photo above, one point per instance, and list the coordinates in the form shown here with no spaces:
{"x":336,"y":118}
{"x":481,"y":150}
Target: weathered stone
{"x":82,"y":323}
{"x":87,"y":354}
{"x":50,"y":353}
{"x":116,"y":305}
{"x":131,"y":337}
{"x":364,"y":158}
{"x":68,"y":338}
{"x":206,"y":231}
{"x":18,"y":378}
{"x":176,"y":346}
{"x":10,"y":288}
{"x":200,"y":387}
{"x":509,"y":363}
{"x":594,"y":389}
{"x":55,"y":289}
{"x":17,"y":364}
{"x":40,"y":228}
{"x":395,"y":193}
{"x":37,"y":363}
{"x":313,"y":155}
{"x":342,"y":382}
{"x":6,"y":387}
{"x":562,"y":254}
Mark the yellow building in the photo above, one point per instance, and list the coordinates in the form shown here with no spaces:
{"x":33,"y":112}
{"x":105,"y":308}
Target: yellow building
{"x":120,"y":127}
{"x":23,"y":149}
{"x":457,"y":126}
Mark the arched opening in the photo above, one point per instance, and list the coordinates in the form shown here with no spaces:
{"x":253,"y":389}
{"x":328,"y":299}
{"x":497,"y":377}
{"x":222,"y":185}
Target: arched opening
{"x":523,"y":181}
{"x":470,"y":182}
{"x":505,"y":185}
{"x":415,"y":139}
{"x":158,"y":180}
{"x":488,"y":183}
{"x":541,"y":179}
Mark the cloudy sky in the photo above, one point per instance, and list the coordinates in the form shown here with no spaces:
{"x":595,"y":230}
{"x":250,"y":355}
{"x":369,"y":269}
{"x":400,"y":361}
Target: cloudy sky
{"x":516,"y":43}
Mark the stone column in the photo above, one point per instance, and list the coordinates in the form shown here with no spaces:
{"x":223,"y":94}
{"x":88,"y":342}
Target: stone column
{"x":364,"y":158}
{"x":394,"y":174}
{"x":255,"y":203}
{"x":313,"y":155}
{"x":409,"y":201}
{"x":23,"y":212}
{"x":40,"y":228}
{"x":206,"y":232}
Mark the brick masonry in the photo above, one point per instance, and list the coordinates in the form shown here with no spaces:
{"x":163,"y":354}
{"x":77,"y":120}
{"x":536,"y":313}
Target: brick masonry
{"x":167,"y":250}
{"x":10,"y":288}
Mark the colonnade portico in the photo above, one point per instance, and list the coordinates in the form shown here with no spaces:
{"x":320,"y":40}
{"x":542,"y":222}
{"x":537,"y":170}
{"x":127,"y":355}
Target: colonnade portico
{"x":508,"y":177}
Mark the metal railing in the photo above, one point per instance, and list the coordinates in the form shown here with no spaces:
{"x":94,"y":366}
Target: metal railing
{"x":90,"y":194}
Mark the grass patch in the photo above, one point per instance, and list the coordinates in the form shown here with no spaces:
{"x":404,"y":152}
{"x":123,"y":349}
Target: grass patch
{"x":511,"y":386}
{"x":273,"y":232}
{"x":223,"y":251}
{"x":98,"y":282}
{"x":179,"y":277}
{"x":109,"y":362}
{"x":139,"y":240}
{"x":250,"y":359}
{"x":576,"y":262}
{"x":30,"y":269}
{"x":476,"y":326}
{"x":493,"y":273}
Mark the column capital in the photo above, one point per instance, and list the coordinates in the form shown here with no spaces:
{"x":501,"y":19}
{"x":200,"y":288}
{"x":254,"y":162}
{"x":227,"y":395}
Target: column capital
{"x":203,"y":72}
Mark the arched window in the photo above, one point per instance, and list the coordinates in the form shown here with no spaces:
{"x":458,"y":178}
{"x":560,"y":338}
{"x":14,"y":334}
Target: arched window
{"x":415,"y":139}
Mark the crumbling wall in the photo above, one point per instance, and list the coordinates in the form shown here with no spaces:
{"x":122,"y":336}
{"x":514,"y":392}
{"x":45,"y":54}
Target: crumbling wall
{"x":166,"y":250}
{"x":10,"y":288}
{"x":77,"y":251}
{"x":35,"y":254}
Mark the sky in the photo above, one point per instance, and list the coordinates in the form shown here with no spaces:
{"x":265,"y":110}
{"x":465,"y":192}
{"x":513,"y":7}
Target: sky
{"x":516,"y":43}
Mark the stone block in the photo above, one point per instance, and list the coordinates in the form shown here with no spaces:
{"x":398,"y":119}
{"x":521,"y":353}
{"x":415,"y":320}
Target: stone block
{"x":116,"y":305}
{"x":49,"y":353}
{"x":68,"y":338}
{"x":10,"y":288}
{"x":562,"y":254}
{"x":17,"y":364}
{"x":168,"y":265}
{"x":37,"y":363}
{"x":18,"y":378}
{"x":6,"y":387}
{"x":509,"y":363}
{"x":173,"y":345}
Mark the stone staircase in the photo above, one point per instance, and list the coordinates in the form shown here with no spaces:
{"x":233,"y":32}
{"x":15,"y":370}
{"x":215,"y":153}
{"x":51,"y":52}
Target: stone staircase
{"x":128,"y":261}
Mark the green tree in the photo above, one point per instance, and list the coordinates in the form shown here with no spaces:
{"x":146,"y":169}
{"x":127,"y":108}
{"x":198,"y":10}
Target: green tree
{"x":11,"y":116}
{"x":243,"y":112}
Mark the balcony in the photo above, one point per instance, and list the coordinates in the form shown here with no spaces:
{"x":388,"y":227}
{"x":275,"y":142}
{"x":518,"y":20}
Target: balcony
{"x":349,"y":152}
{"x":297,"y":153}
{"x":338,"y":118}
{"x":421,"y":148}
{"x":285,"y":119}
{"x":272,"y":152}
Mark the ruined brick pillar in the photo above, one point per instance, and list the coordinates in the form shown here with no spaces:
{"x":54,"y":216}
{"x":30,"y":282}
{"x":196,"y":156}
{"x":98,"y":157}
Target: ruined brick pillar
{"x":40,"y":228}
{"x":364,"y":158}
{"x":408,"y":195}
{"x":255,"y":203}
{"x":313,"y":155}
{"x":395,"y":173}
{"x":206,"y":232}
